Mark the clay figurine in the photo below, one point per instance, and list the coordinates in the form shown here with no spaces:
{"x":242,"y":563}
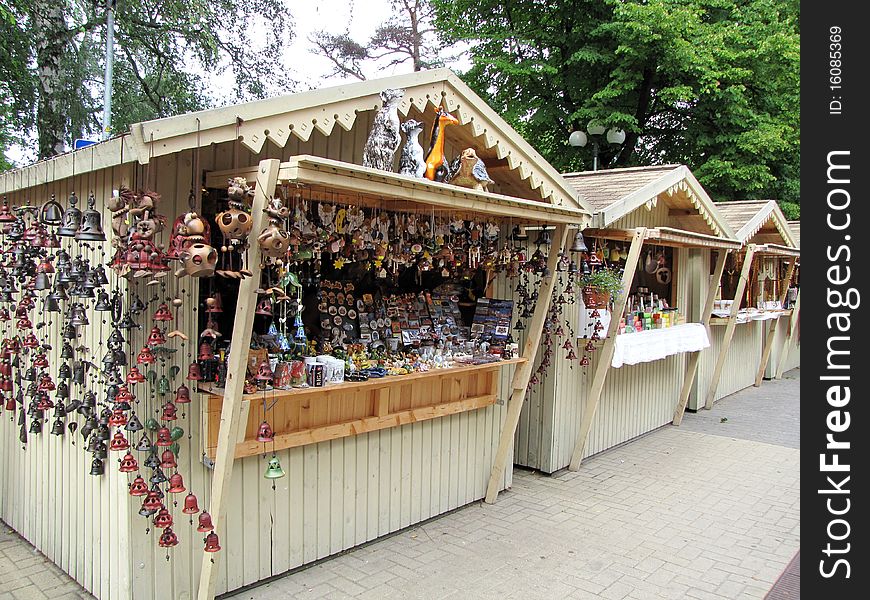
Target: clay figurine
{"x":412,"y":161}
{"x":384,"y":138}
{"x":469,"y":171}
{"x":437,"y":166}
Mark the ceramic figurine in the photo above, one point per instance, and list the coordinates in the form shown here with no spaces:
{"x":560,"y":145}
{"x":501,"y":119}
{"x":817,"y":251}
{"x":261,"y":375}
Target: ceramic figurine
{"x":412,"y":162}
{"x":384,"y":138}
{"x":469,"y":171}
{"x":437,"y":166}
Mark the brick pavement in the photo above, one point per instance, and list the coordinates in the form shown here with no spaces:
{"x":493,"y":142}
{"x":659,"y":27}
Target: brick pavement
{"x":709,"y":510}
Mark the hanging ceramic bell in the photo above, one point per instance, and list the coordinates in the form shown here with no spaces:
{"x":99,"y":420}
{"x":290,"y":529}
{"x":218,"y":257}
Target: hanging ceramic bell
{"x":164,"y":437}
{"x":167,"y":460}
{"x":91,"y":226}
{"x":157,"y":476}
{"x":163,"y":385}
{"x":128,"y":323}
{"x":57,"y":428}
{"x":182,"y":395}
{"x":133,"y":423}
{"x":584,"y":362}
{"x":176,"y":484}
{"x":162,"y":313}
{"x":145,"y":356}
{"x":274,"y":470}
{"x":119,"y":442}
{"x":191,"y":507}
{"x":169,"y":412}
{"x":168,"y":539}
{"x":144,"y":444}
{"x":138,"y":487}
{"x":51,"y":213}
{"x":151,"y":504}
{"x":194,"y":373}
{"x":129,"y":464}
{"x":103,"y":304}
{"x":72,"y":218}
{"x":265,"y":433}
{"x":163,"y":519}
{"x":579,"y":244}
{"x":97,"y":467}
{"x":156,"y":337}
{"x":206,"y":352}
{"x":264,"y":307}
{"x":212,"y":544}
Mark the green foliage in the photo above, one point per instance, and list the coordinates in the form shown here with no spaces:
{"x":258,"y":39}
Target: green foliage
{"x":791,"y":210}
{"x":606,"y":279}
{"x":52,"y":61}
{"x":712,"y":84}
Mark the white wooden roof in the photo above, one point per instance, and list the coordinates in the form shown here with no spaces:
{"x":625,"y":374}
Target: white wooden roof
{"x":614,"y":193}
{"x":749,"y":218}
{"x":279,"y":118}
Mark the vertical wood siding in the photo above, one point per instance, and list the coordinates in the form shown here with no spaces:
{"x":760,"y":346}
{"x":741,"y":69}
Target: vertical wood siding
{"x":335,"y":495}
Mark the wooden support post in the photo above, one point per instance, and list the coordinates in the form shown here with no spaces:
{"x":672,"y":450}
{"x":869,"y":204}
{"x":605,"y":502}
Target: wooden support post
{"x":523,"y":373}
{"x":730,"y":326}
{"x":231,"y":412}
{"x":605,"y":355}
{"x":771,"y":334}
{"x":695,"y":357}
{"x":792,"y":325}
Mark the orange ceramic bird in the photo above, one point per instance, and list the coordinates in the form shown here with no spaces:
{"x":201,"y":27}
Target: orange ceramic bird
{"x":437,"y":166}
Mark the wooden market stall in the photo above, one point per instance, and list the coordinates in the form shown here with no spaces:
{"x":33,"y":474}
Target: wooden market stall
{"x":790,"y":348}
{"x":745,"y":330}
{"x":362,"y":459}
{"x":639,"y":214}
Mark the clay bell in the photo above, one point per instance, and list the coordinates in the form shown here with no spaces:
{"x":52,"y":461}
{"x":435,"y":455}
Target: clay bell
{"x":134,"y":375}
{"x":138,"y":487}
{"x":133,"y":423}
{"x":72,"y":218}
{"x":168,"y":539}
{"x":167,"y":460}
{"x":205,"y":523}
{"x":129,"y":464}
{"x":265,"y":433}
{"x":194,"y":373}
{"x":264,"y":372}
{"x":274,"y":470}
{"x":212,"y":544}
{"x":163,"y":519}
{"x":91,"y":227}
{"x":182,"y":395}
{"x":169,"y":412}
{"x":176,"y":484}
{"x":162,"y":313}
{"x":97,"y":467}
{"x":156,"y":337}
{"x":119,"y":442}
{"x":145,"y":356}
{"x":191,"y":507}
{"x":164,"y":437}
{"x":206,"y":352}
{"x":57,"y":427}
{"x":152,"y":503}
{"x":264,"y":307}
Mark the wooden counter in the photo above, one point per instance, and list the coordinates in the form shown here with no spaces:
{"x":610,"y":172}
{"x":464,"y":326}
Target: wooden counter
{"x":315,"y":414}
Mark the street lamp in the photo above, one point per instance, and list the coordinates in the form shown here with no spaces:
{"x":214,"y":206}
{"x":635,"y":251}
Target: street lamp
{"x":597,"y":133}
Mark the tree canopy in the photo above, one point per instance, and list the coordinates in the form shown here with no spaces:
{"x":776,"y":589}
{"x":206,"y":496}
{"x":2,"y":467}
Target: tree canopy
{"x":52,"y":61}
{"x":713,"y":84}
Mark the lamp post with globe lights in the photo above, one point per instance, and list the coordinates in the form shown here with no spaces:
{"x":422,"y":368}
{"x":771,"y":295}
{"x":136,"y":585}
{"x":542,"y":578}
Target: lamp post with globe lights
{"x":597,"y":134}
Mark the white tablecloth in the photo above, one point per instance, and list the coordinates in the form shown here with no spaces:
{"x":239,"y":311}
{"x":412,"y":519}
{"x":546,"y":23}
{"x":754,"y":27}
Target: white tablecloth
{"x":745,"y":316}
{"x":655,"y":344}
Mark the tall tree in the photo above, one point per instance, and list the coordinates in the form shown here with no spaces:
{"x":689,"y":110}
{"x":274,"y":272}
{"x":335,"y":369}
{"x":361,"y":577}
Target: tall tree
{"x":163,"y":51}
{"x":407,"y":36}
{"x":709,"y":83}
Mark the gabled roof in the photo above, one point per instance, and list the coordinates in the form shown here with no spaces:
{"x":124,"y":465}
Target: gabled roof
{"x":795,"y":227}
{"x":749,"y":217}
{"x":278,"y":119}
{"x":614,"y":193}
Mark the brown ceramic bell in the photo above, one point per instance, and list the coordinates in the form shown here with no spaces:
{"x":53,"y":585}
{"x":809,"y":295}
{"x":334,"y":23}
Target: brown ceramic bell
{"x":205,"y":523}
{"x":145,"y":356}
{"x":206,"y":352}
{"x":176,"y":484}
{"x":182,"y":395}
{"x":193,"y":372}
{"x":212,"y":544}
{"x":134,"y":375}
{"x":191,"y":507}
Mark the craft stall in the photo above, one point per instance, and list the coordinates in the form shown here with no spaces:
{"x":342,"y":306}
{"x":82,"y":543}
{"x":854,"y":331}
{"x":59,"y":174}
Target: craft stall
{"x":786,"y":353}
{"x":645,"y":275}
{"x":751,"y":314}
{"x":241,"y":340}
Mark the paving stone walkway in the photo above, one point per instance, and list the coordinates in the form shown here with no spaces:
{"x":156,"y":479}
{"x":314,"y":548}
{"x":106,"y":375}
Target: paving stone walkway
{"x":708,"y":510}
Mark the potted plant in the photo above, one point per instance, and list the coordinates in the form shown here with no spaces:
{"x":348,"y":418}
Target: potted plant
{"x":598,"y":286}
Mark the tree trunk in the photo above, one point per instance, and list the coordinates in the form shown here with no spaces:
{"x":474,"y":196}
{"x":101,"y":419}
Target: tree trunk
{"x":643,"y":104}
{"x":51,"y":38}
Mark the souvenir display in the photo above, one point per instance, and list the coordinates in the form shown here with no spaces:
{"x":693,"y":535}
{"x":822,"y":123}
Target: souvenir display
{"x":383,"y":141}
{"x":412,"y":161}
{"x":469,"y":171}
{"x":437,"y":165}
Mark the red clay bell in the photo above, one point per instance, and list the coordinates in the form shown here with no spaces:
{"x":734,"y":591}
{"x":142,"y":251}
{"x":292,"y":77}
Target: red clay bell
{"x":118,"y":418}
{"x":152,"y":501}
{"x":182,"y":395}
{"x":163,"y":519}
{"x":264,"y":372}
{"x":167,"y":459}
{"x":193,"y":372}
{"x":156,"y":337}
{"x":163,"y":313}
{"x":205,"y":523}
{"x":40,"y":361}
{"x":264,"y":307}
{"x":212,"y":544}
{"x":164,"y":437}
{"x":145,"y":357}
{"x":265,"y":433}
{"x":169,"y":412}
{"x":129,"y":464}
{"x":176,"y":484}
{"x":206,"y":352}
{"x":191,"y":507}
{"x":138,"y":487}
{"x":119,"y":442}
{"x":30,"y":341}
{"x":134,"y":376}
{"x":124,"y":395}
{"x":168,"y":539}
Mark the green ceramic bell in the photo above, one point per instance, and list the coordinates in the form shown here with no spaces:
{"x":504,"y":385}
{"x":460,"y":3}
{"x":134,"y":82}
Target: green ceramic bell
{"x":163,"y":385}
{"x":274,"y":470}
{"x":176,"y":433}
{"x":151,"y":424}
{"x":175,"y":448}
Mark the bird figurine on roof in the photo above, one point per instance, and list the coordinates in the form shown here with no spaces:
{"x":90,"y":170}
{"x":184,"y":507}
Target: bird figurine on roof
{"x":469,"y":171}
